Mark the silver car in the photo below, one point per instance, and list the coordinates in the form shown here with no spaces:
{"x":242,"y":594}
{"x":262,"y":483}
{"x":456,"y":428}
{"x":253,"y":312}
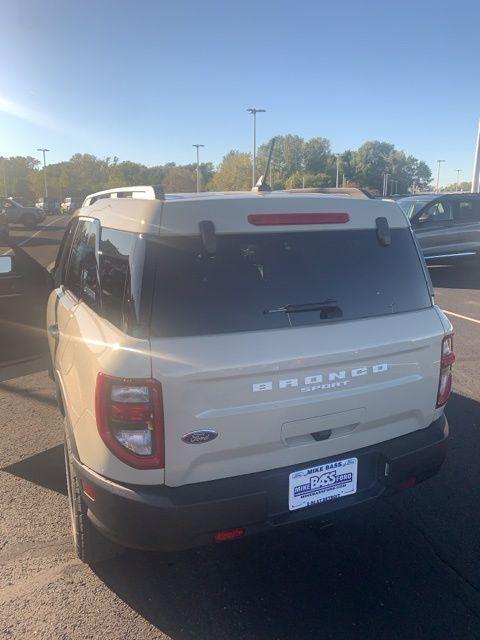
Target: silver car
{"x":447,"y":226}
{"x":18,"y":214}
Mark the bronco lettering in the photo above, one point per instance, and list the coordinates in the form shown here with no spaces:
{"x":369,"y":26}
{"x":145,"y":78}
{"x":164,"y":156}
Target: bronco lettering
{"x":320,"y":381}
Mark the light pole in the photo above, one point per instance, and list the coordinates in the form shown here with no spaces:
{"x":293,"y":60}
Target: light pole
{"x":385,"y":183}
{"x":44,"y":151}
{"x":439,"y":162}
{"x":476,"y":164}
{"x":198,"y":164}
{"x":459,"y":171}
{"x":337,"y":181}
{"x":254,"y":112}
{"x":4,"y":167}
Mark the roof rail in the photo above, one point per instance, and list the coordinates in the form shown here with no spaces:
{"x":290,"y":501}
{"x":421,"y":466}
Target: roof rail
{"x":146,"y":192}
{"x":353,"y":192}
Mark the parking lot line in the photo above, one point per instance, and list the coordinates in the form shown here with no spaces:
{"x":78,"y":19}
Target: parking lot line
{"x":20,"y":244}
{"x":458,"y":315}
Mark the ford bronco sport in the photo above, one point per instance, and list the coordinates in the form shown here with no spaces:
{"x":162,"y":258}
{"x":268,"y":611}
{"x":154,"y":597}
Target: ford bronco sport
{"x":229,"y":363}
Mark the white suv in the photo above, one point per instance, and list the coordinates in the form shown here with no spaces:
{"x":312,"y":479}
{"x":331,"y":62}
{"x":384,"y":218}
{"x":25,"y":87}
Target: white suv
{"x":230,"y":363}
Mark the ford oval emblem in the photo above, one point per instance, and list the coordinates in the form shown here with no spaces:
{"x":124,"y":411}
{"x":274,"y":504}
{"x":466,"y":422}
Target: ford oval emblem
{"x":199,"y":436}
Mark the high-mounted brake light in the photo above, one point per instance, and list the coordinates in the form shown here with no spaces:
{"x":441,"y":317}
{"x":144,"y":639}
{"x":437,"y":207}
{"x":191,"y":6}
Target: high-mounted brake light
{"x":446,"y":362}
{"x":129,"y":415}
{"x":275,"y":219}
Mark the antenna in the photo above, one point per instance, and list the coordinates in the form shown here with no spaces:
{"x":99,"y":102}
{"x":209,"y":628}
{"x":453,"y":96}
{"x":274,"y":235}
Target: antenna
{"x":262,"y":181}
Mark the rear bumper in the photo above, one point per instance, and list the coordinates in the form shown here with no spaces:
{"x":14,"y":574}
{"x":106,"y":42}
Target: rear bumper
{"x":174,"y":518}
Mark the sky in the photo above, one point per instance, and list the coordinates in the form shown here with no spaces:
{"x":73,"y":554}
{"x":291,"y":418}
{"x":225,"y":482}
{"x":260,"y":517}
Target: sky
{"x":144,"y":80}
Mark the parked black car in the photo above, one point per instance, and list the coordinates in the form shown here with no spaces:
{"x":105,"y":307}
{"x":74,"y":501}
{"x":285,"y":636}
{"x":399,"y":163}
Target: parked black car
{"x":447,"y":225}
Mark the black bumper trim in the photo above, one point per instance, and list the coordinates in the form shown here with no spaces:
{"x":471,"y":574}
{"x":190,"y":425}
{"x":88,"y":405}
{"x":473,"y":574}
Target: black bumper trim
{"x":173,"y":518}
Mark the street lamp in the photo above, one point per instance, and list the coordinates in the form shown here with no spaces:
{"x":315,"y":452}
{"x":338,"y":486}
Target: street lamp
{"x":4,"y":167}
{"x":254,"y":112}
{"x":198,"y":164}
{"x":458,"y":178}
{"x":337,"y":181}
{"x":44,"y":151}
{"x":438,"y":174}
{"x":385,"y":183}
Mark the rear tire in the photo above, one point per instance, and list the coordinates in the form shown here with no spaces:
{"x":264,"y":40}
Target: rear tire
{"x":89,"y":544}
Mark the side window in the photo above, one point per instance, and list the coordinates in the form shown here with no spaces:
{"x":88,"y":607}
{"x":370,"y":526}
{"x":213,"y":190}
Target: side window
{"x":63,"y":253}
{"x":439,"y":213}
{"x":467,"y":210}
{"x":122,"y":256}
{"x":82,"y":274}
{"x":115,"y":251}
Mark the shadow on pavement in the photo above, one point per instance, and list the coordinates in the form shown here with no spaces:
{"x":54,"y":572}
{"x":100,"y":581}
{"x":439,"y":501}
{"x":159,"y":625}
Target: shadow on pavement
{"x":45,"y":469}
{"x":384,"y":573}
{"x":458,"y":277}
{"x":28,"y":393}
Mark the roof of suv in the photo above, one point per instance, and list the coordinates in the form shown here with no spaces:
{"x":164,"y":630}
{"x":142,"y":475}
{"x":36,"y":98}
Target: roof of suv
{"x":181,"y":213}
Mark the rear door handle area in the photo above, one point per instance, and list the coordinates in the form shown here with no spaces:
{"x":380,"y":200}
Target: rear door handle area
{"x":53,"y":330}
{"x":316,"y":429}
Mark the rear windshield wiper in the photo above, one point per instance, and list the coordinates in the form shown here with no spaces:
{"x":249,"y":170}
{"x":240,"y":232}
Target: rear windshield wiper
{"x":299,"y":308}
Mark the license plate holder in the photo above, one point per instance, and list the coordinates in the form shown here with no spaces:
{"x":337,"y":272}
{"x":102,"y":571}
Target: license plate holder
{"x":322,"y":483}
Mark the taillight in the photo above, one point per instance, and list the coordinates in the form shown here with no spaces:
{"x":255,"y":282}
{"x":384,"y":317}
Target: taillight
{"x":129,"y":415}
{"x":446,"y":362}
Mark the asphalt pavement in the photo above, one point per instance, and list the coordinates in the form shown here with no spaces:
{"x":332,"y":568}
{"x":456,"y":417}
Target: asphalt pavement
{"x":408,"y":567}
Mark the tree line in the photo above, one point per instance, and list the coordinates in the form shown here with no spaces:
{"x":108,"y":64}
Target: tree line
{"x":296,"y":163}
{"x":458,"y":186}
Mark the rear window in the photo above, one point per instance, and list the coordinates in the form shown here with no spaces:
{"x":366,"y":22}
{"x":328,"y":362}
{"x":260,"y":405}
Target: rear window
{"x":263,"y":281}
{"x":412,"y":207}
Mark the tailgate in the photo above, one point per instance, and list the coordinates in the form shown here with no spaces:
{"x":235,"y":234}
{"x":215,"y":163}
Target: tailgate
{"x":283,"y":397}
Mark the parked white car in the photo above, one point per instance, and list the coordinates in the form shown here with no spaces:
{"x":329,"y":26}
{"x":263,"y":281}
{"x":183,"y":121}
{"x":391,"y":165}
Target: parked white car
{"x":232,"y":363}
